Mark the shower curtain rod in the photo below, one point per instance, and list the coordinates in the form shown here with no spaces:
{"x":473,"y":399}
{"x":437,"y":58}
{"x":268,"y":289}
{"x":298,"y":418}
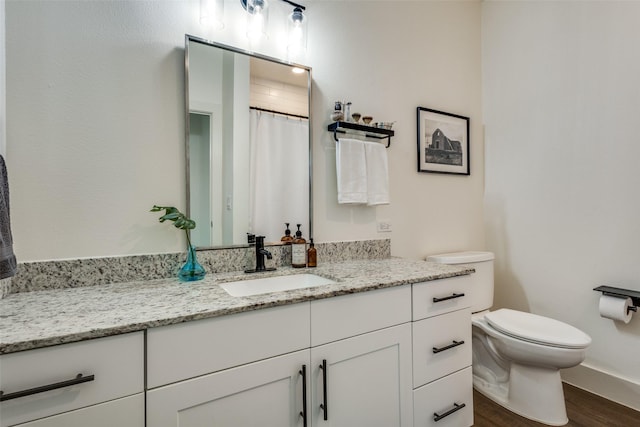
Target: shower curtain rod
{"x":279,"y":112}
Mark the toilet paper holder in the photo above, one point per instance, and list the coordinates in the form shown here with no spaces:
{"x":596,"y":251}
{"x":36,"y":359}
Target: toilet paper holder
{"x":622,"y":293}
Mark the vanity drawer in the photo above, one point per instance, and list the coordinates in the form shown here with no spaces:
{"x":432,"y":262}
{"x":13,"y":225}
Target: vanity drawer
{"x":442,"y":400}
{"x":345,"y":316}
{"x":441,"y":296}
{"x":116,"y":364}
{"x":187,"y":350}
{"x":441,"y":345}
{"x":125,"y":412}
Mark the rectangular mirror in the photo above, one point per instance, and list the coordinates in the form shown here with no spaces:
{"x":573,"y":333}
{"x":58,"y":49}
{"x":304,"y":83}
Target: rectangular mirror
{"x":248,"y":145}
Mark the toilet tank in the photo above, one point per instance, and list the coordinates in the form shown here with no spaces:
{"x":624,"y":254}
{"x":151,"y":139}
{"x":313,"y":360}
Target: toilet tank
{"x":482,"y":292}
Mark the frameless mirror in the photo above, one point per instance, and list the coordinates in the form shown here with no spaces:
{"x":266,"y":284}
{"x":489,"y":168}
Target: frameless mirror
{"x":247,"y":143}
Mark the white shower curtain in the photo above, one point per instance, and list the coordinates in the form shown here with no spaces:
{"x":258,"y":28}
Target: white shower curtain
{"x":280,"y":151}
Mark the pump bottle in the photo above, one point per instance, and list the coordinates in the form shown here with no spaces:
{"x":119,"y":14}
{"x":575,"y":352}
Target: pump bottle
{"x":287,"y":238}
{"x":312,"y":255}
{"x":299,"y":250}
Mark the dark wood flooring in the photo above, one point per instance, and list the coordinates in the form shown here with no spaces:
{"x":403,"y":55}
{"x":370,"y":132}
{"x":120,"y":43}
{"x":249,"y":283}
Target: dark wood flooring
{"x":583,"y":409}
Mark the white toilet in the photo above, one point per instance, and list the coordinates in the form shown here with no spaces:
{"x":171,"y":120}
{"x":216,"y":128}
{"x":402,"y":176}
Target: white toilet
{"x":517,"y":356}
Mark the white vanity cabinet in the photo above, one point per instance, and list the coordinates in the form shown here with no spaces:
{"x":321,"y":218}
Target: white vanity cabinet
{"x":442,"y":379}
{"x":361,"y":359}
{"x":96,"y":383}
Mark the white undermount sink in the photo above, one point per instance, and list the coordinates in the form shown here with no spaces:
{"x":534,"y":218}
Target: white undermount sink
{"x":264,"y":285}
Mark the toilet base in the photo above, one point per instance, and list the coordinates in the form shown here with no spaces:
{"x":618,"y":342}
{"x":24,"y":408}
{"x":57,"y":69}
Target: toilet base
{"x":531,"y":392}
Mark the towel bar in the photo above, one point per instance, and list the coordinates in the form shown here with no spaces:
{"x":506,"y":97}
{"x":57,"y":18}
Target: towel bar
{"x":369,"y":131}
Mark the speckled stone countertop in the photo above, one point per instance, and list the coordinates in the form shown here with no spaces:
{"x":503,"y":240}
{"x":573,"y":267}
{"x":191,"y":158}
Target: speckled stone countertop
{"x":43,"y":318}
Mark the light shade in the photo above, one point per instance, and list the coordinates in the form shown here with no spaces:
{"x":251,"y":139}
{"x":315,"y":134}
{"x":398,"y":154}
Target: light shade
{"x":212,"y":14}
{"x":257,"y":18}
{"x":296,"y":31}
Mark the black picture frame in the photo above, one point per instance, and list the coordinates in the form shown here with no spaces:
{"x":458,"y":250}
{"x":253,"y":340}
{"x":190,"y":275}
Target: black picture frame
{"x":443,"y":142}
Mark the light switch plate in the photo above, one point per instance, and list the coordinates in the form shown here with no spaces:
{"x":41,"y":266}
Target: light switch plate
{"x":384,"y":226}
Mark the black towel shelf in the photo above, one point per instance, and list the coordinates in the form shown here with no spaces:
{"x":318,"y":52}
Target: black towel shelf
{"x":369,"y":131}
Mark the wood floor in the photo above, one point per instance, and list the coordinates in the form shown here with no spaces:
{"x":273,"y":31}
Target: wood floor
{"x":583,"y":409}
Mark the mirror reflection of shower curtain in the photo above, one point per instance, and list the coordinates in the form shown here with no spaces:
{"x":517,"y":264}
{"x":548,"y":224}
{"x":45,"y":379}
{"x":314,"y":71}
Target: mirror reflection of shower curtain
{"x":280,"y":150}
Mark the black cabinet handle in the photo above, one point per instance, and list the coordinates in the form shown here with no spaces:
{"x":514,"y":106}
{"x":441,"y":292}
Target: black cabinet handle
{"x":456,"y":407}
{"x":447,"y":298}
{"x":303,"y":413}
{"x":79,"y":379}
{"x":323,"y":405}
{"x":455,"y":344}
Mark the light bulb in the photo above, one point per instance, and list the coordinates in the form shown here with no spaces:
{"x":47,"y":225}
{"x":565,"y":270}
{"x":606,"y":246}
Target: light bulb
{"x":257,"y":19}
{"x":297,"y":28}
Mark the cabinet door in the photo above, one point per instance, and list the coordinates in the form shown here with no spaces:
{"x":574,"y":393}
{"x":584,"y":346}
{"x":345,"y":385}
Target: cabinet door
{"x":363,"y":380}
{"x":268,"y":393}
{"x":125,"y":412}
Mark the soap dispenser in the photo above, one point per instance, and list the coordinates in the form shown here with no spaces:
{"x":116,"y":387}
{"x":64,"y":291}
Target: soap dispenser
{"x":299,"y":250}
{"x":312,"y":255}
{"x":287,"y":238}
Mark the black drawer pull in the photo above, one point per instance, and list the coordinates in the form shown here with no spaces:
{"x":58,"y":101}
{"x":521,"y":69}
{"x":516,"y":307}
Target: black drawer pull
{"x":303,"y":413}
{"x":447,"y":298}
{"x":455,"y":344}
{"x":79,"y":379}
{"x":455,"y":408}
{"x":324,"y":405}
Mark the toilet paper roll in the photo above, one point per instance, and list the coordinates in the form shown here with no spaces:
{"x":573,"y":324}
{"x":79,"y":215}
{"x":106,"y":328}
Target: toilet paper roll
{"x":615,"y":308}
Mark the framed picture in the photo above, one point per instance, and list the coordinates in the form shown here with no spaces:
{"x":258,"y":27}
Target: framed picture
{"x":443,"y":142}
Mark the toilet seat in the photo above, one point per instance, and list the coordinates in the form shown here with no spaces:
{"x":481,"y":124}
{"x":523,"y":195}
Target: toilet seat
{"x":537,"y":329}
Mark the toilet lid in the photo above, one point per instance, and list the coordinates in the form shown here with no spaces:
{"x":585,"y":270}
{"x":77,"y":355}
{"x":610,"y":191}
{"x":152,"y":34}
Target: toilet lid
{"x":537,"y":329}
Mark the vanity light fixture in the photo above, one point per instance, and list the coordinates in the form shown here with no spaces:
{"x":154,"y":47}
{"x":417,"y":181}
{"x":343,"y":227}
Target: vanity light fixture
{"x":212,"y":13}
{"x":297,"y":70}
{"x":258,"y":15}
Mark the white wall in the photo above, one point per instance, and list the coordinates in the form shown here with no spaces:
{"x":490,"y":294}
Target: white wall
{"x":561,"y":102}
{"x":388,"y":58}
{"x":96,"y":122}
{"x":95,"y":114}
{"x":3,"y":86}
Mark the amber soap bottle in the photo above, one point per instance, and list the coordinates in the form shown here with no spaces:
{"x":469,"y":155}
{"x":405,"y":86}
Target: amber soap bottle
{"x":312,"y":255}
{"x":299,"y":250}
{"x":287,"y":238}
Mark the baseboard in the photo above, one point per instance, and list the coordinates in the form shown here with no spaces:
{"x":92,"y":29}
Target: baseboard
{"x":604,"y":384}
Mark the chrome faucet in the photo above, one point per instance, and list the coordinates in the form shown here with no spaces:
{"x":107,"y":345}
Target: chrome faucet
{"x":261,"y":252}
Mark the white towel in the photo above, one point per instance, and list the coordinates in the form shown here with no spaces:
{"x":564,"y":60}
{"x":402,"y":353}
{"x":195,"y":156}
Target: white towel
{"x":351,"y":168}
{"x":377,"y":174}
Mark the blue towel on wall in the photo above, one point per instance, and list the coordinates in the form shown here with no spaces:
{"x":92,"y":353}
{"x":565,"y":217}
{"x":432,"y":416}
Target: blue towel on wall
{"x":8,"y":264}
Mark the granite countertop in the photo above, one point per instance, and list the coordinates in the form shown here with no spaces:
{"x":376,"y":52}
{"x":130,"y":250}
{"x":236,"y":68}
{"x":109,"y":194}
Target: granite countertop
{"x":44,"y":318}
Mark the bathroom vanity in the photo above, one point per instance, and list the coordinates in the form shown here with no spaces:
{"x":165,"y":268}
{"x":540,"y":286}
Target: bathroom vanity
{"x":388,"y":344}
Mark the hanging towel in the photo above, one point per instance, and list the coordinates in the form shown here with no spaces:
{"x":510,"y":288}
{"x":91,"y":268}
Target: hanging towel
{"x":8,"y":264}
{"x":351,"y":168}
{"x":377,"y":174}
